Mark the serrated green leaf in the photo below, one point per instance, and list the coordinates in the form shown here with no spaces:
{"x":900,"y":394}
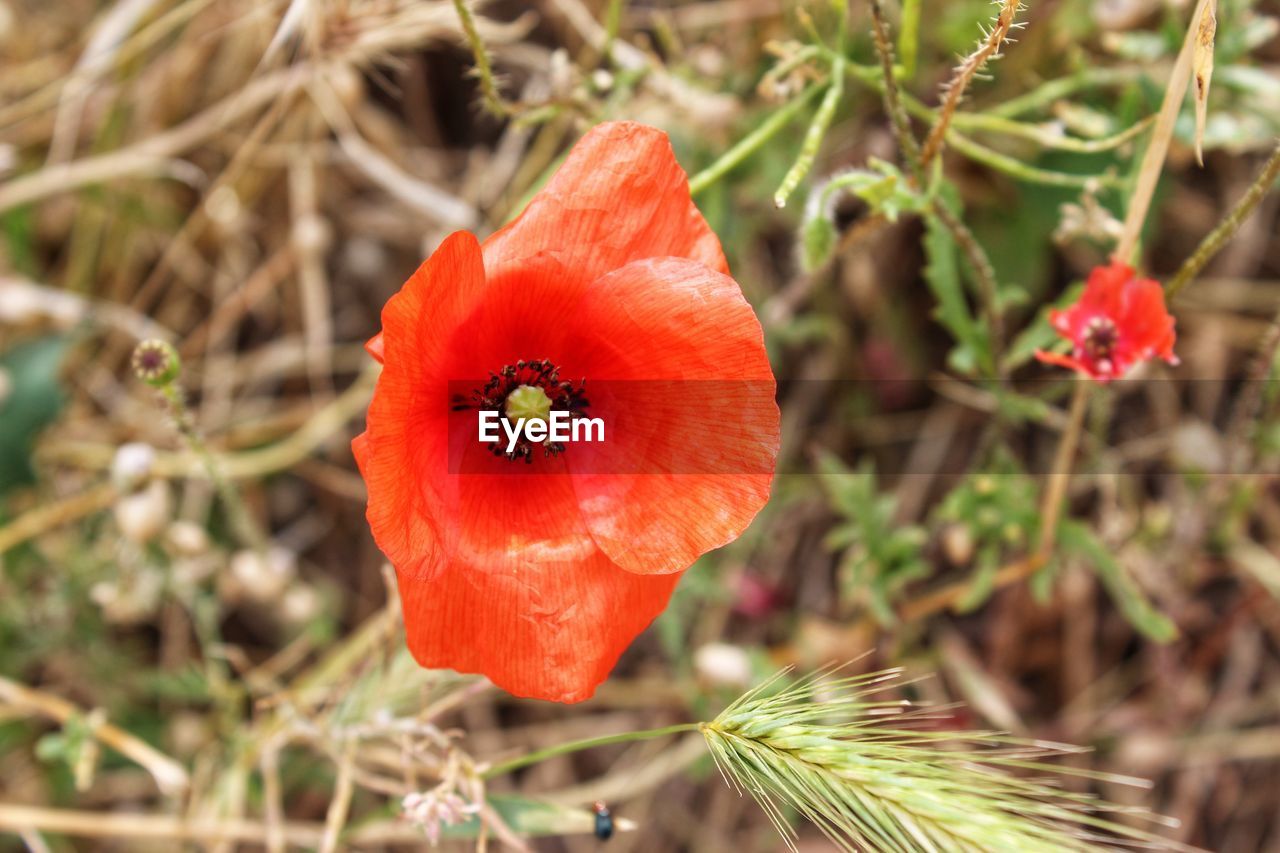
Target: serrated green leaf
{"x":942,"y":272}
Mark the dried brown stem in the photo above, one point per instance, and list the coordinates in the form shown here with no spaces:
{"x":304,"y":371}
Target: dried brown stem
{"x":171,"y":777}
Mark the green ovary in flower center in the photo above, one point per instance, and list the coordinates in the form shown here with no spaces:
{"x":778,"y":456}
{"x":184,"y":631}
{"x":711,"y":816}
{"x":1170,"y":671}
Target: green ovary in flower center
{"x":528,"y":402}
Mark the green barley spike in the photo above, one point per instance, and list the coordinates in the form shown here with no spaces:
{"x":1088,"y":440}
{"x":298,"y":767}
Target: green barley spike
{"x":876,"y":774}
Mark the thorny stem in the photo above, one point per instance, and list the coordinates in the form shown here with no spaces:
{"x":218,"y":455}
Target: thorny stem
{"x":587,"y":743}
{"x":1153,"y":159}
{"x":1056,"y":490}
{"x":963,"y":76}
{"x":892,"y":102}
{"x":973,"y":252}
{"x":484,"y":68}
{"x":753,"y":141}
{"x":1225,"y":229}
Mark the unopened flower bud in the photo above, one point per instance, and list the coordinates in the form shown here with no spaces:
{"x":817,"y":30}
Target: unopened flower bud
{"x":723,"y":665}
{"x":156,"y":362}
{"x":132,"y":466}
{"x":264,"y":577}
{"x":141,"y":516}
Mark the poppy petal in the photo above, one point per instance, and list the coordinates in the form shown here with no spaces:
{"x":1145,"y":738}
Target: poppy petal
{"x":374,"y":347}
{"x":682,"y":382}
{"x":526,"y":597}
{"x":620,"y":196}
{"x":404,"y":452}
{"x":1061,"y":360}
{"x":1146,"y":321}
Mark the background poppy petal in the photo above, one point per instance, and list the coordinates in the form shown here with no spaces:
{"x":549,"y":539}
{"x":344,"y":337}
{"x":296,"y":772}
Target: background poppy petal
{"x":620,"y":196}
{"x":681,"y":379}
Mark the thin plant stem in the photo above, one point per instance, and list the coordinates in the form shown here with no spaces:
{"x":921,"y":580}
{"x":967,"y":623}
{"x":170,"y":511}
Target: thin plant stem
{"x":588,"y":743}
{"x":973,"y":251}
{"x":484,"y":67}
{"x":892,"y":101}
{"x":983,"y":272}
{"x":1056,"y":489}
{"x":1063,"y":87}
{"x":1249,"y":402}
{"x":1038,"y":133}
{"x":909,"y":36}
{"x":241,"y":519}
{"x":612,"y":24}
{"x":1018,"y":170}
{"x":964,"y":74}
{"x":170,"y":776}
{"x":931,"y":603}
{"x":1153,"y":160}
{"x":753,"y":141}
{"x":1227,"y":228}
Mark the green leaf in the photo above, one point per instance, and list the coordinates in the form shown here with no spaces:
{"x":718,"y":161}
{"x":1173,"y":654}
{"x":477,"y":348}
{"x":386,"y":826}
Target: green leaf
{"x":35,"y":399}
{"x":1039,"y":334}
{"x":878,"y":557}
{"x":1075,"y":538}
{"x":943,"y":276}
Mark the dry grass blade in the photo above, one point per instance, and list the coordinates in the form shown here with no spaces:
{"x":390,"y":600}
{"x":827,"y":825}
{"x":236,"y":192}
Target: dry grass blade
{"x":1153,"y":159}
{"x":876,"y":773}
{"x":1202,"y":67}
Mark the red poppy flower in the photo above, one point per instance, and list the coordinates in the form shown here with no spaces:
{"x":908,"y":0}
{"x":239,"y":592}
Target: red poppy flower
{"x":1118,"y":321}
{"x":607,"y":298}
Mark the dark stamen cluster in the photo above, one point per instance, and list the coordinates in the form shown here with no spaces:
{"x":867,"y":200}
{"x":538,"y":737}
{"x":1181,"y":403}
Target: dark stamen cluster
{"x":1100,"y":338}
{"x":565,"y":396}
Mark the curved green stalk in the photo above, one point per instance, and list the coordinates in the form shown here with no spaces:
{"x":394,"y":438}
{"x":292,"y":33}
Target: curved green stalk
{"x":587,"y":743}
{"x":753,"y":141}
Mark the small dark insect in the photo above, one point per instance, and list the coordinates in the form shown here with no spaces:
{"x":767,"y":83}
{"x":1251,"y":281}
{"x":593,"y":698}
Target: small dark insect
{"x":604,"y":822}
